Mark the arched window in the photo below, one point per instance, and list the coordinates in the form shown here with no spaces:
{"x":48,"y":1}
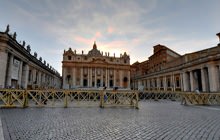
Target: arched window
{"x":69,"y":57}
{"x":125,"y":79}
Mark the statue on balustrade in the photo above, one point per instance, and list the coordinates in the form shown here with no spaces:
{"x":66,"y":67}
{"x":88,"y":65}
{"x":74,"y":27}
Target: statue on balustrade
{"x":7,"y":29}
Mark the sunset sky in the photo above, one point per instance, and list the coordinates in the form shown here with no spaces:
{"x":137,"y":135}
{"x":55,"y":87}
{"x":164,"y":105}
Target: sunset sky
{"x":117,"y":26}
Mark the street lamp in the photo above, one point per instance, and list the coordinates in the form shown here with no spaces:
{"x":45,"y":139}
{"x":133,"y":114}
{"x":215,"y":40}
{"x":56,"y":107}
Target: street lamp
{"x":218,"y":34}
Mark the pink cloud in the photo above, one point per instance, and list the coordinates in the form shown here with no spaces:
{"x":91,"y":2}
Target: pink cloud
{"x":114,"y":44}
{"x":83,"y":40}
{"x":98,"y":35}
{"x":88,"y":41}
{"x":110,"y":30}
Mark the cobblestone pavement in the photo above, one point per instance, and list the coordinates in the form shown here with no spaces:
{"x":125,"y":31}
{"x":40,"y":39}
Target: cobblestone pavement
{"x":154,"y":120}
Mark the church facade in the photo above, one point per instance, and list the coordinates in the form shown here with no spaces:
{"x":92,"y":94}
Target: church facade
{"x":95,"y":69}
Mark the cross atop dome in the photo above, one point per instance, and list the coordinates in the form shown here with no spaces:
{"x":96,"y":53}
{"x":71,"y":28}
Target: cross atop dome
{"x":94,"y":45}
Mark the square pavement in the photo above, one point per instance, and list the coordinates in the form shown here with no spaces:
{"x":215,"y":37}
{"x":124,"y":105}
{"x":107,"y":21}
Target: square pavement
{"x":157,"y":120}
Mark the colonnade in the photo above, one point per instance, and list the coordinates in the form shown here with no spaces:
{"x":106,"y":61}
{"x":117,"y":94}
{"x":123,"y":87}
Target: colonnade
{"x":20,"y":73}
{"x":205,"y":78}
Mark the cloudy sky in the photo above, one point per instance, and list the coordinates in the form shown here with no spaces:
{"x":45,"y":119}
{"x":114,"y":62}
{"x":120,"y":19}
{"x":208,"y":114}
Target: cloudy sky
{"x":117,"y":26}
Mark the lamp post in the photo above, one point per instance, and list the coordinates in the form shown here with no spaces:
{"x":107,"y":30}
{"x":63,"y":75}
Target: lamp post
{"x":218,"y":34}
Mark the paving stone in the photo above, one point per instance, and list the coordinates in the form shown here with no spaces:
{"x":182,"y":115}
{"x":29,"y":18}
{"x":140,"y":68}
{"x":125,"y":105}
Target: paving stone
{"x":163,"y":120}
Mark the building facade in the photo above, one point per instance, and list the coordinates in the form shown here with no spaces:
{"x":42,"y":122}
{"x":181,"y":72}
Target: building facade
{"x":193,"y":71}
{"x":20,"y":69}
{"x":95,"y":69}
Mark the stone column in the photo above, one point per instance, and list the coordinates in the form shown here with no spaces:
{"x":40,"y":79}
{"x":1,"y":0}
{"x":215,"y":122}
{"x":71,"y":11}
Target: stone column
{"x":139,"y":84}
{"x":41,"y":82}
{"x":129,"y":79}
{"x":114,"y":78}
{"x":87,"y":76}
{"x":148,"y":84}
{"x":90,"y":76}
{"x":185,"y":82}
{"x":212,"y":78}
{"x":109,"y":78}
{"x":158,"y":83}
{"x":136,"y":84}
{"x":204,"y":89}
{"x":181,"y":82}
{"x":95,"y":78}
{"x":192,"y":81}
{"x":101,"y":72}
{"x":172,"y":82}
{"x":10,"y":68}
{"x":144,"y":81}
{"x":20,"y":73}
{"x":24,"y":80}
{"x":218,"y":77}
{"x":154,"y":83}
{"x":81,"y":77}
{"x":39,"y":79}
{"x":48,"y":79}
{"x":164,"y":83}
{"x":3,"y":68}
{"x":63,"y":77}
{"x":121,"y":78}
{"x":218,"y":73}
{"x":51,"y":80}
{"x":73,"y":77}
{"x":34,"y":76}
{"x":44,"y":79}
{"x":106,"y":77}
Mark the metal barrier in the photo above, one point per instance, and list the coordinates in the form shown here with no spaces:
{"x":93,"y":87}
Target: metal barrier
{"x":158,"y":95}
{"x":200,"y":99}
{"x":102,"y":98}
{"x":120,"y":98}
{"x":186,"y":98}
{"x":12,"y":98}
{"x":67,"y":98}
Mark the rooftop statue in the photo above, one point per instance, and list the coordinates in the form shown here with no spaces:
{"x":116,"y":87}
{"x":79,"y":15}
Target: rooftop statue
{"x":23,"y":44}
{"x":35,"y":54}
{"x":28,"y":48}
{"x":14,"y":35}
{"x":7,"y":29}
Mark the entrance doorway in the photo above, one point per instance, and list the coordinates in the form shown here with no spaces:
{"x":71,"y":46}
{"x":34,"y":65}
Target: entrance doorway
{"x":85,"y":82}
{"x":98,"y":82}
{"x":111,"y":83}
{"x":125,"y":82}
